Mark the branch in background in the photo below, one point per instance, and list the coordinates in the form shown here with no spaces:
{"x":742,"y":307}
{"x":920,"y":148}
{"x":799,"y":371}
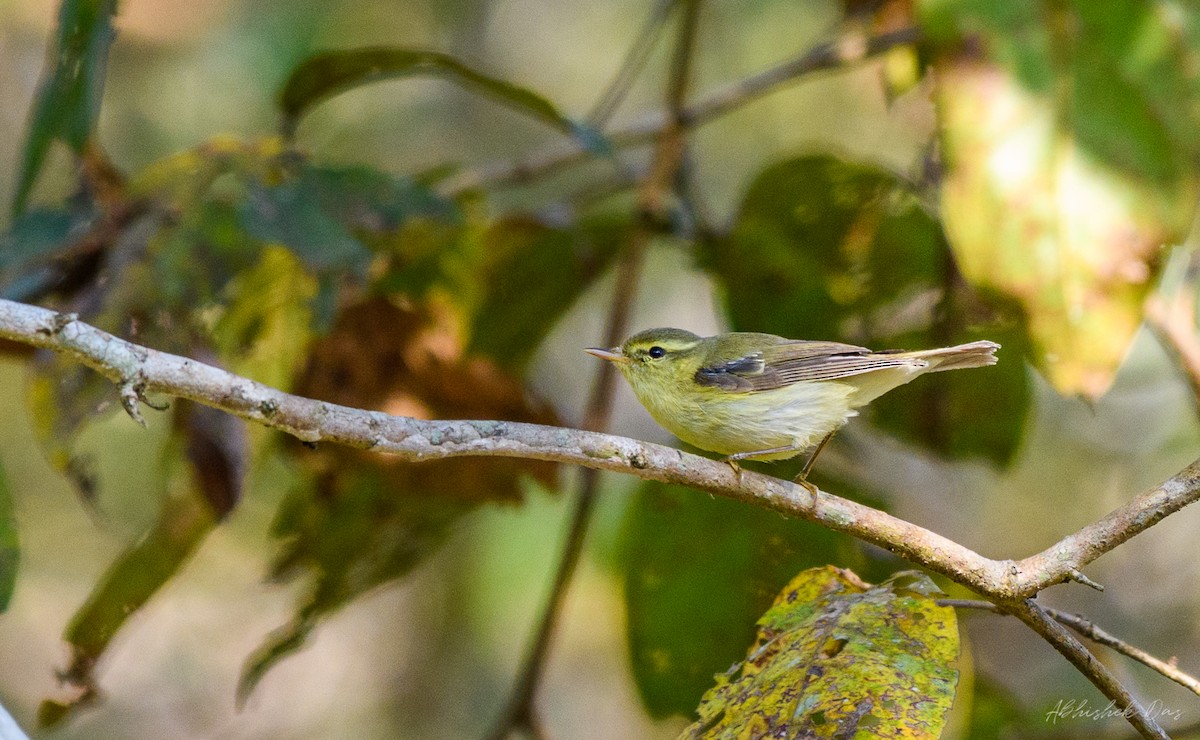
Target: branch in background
{"x":835,"y":55}
{"x":652,"y":197}
{"x":1079,"y":656}
{"x":1086,"y":628}
{"x":418,"y":440}
{"x":634,"y":61}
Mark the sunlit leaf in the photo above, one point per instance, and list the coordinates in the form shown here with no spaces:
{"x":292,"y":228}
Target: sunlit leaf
{"x":823,"y":248}
{"x":327,"y":74}
{"x":698,"y":574}
{"x":532,"y":273}
{"x":1071,"y":153}
{"x":68,"y":99}
{"x":836,"y":657}
{"x":10,"y":547}
{"x":263,"y":332}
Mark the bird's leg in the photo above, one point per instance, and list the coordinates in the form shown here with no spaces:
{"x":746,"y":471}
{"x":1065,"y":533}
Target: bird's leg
{"x":757,"y":453}
{"x":802,"y":479}
{"x":732,"y":460}
{"x":812,"y":458}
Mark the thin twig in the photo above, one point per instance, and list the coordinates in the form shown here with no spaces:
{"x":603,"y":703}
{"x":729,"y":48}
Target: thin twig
{"x":520,"y":711}
{"x":836,"y":55}
{"x":634,"y":61}
{"x":1086,"y":628}
{"x":1089,"y":630}
{"x":419,"y":440}
{"x":1079,"y":656}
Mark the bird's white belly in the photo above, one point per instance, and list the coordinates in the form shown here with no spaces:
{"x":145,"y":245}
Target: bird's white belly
{"x":798,"y":416}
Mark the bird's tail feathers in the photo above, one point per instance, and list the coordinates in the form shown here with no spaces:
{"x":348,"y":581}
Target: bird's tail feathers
{"x":973,"y":354}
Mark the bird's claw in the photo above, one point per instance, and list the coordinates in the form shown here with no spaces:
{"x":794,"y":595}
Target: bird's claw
{"x":812,"y":489}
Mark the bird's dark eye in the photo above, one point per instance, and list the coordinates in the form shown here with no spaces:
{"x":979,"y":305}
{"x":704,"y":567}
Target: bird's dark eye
{"x":656,"y":352}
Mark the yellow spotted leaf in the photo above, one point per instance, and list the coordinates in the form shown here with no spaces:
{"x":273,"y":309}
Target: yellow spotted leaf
{"x":839,"y":658}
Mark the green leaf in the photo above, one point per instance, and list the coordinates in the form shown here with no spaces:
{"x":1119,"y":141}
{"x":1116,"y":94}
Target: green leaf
{"x":827,"y":249}
{"x":821,"y":244}
{"x":364,"y":199}
{"x":10,"y":545}
{"x":290,"y":213}
{"x":348,"y":534}
{"x":29,"y":246}
{"x":1069,"y":134}
{"x":698,"y":573}
{"x":955,"y":413}
{"x":836,"y":658}
{"x":322,"y":76}
{"x":35,"y":235}
{"x":139,"y":573}
{"x":532,"y":274}
{"x":264,"y":331}
{"x":997,"y":714}
{"x":67,"y":103}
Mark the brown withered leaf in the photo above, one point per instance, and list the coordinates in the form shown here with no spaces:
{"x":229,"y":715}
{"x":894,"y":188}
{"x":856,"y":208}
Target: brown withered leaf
{"x":408,"y":361}
{"x":361,"y":519}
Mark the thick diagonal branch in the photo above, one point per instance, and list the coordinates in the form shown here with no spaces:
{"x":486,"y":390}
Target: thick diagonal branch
{"x":418,"y":440}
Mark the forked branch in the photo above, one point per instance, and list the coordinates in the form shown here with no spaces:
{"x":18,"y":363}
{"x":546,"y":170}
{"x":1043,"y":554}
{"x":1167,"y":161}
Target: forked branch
{"x":1006,"y":582}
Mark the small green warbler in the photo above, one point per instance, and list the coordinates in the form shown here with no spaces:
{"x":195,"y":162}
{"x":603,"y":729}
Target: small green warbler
{"x":759,"y":396}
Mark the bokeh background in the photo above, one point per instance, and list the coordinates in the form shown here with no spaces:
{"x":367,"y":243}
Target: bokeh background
{"x":433,"y":654}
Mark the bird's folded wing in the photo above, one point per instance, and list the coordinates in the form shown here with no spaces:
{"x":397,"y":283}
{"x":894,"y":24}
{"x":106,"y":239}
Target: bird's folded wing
{"x":793,"y":362}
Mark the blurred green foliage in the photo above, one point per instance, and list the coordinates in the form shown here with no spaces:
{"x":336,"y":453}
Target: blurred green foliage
{"x":68,"y":102}
{"x":1065,"y":160}
{"x":1072,"y":159}
{"x":698,"y":573}
{"x":10,"y":544}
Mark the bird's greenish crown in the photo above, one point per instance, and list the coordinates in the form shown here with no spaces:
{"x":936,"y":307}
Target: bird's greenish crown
{"x":657,"y":343}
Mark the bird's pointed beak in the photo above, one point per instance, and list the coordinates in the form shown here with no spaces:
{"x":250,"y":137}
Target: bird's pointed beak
{"x":612,"y":355}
